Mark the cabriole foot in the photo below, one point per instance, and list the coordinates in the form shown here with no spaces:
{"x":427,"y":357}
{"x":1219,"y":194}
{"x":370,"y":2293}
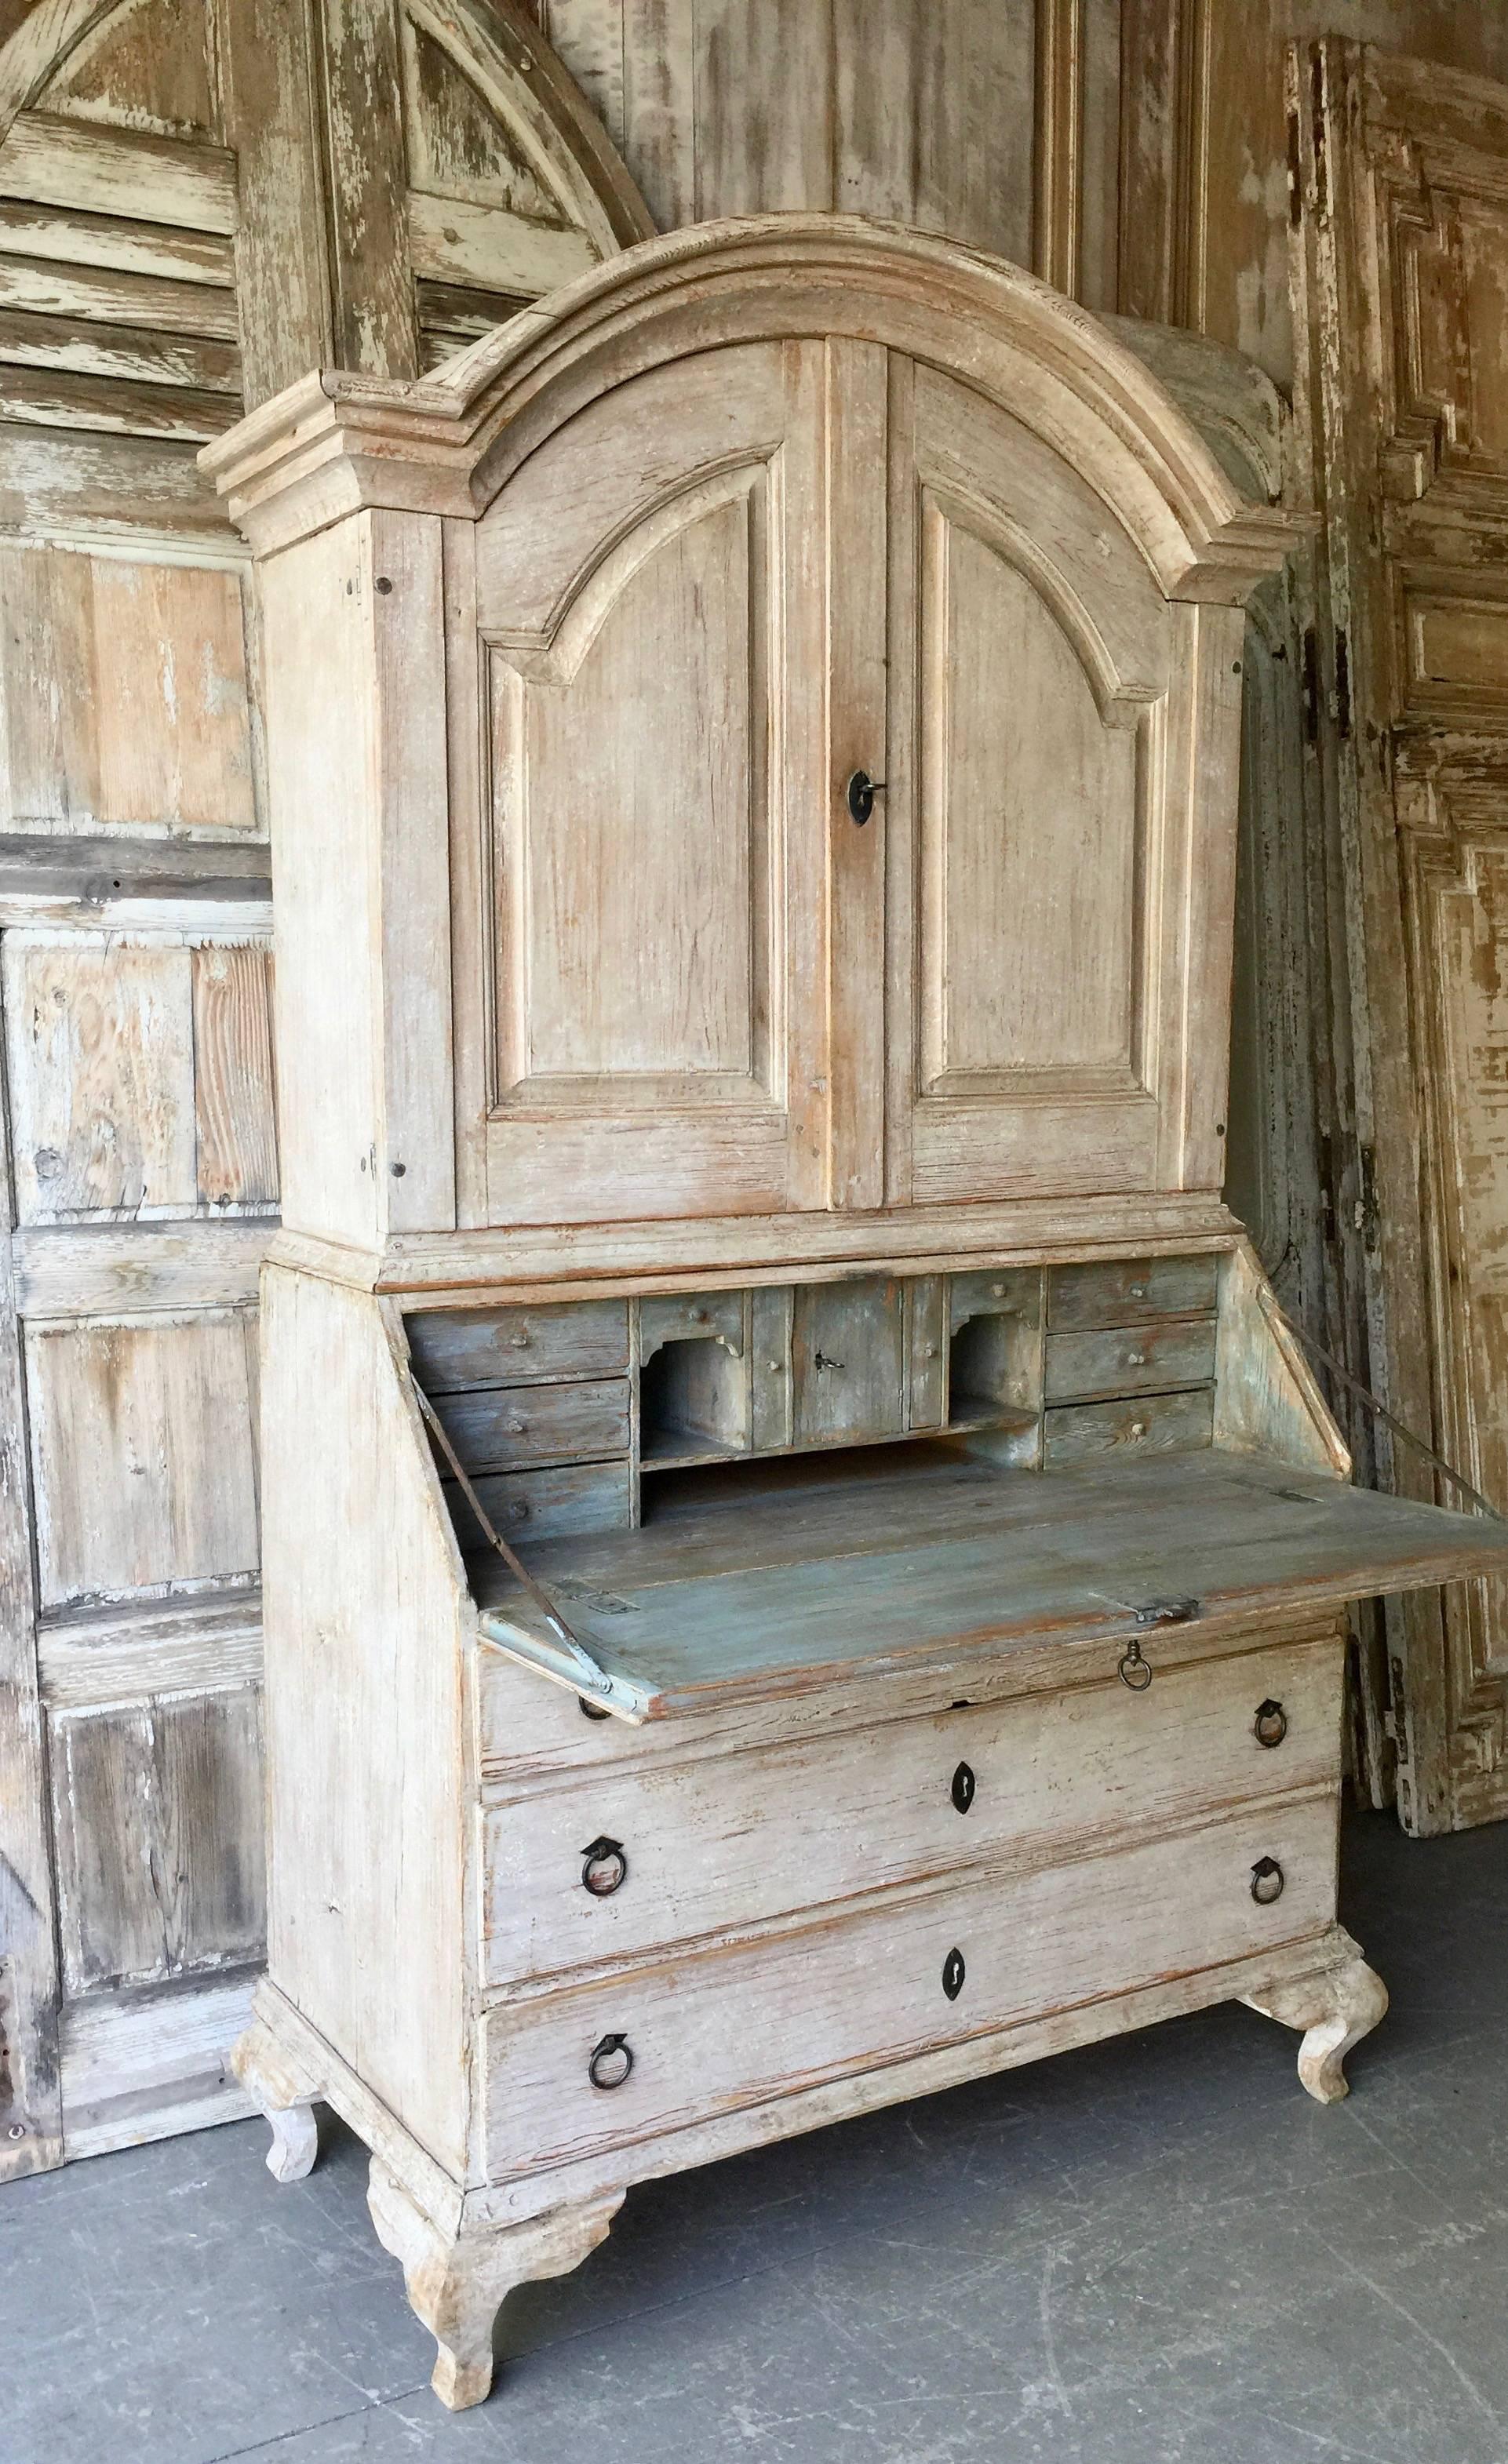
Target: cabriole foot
{"x":457,"y":2284}
{"x":284,"y":2094}
{"x":1336,"y":2007}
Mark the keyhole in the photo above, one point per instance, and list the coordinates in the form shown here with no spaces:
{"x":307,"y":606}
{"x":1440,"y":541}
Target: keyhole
{"x":820,"y":1360}
{"x":962,"y":1788}
{"x":953,"y":1974}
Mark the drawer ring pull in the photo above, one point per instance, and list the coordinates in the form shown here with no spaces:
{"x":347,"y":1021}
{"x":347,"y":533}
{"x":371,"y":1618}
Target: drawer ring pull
{"x":609,"y":2062}
{"x":1271,"y":1725}
{"x":962,"y":1789}
{"x":605,"y":1868}
{"x":1267,"y":1881}
{"x":953,"y":1973}
{"x":1135,"y":1671}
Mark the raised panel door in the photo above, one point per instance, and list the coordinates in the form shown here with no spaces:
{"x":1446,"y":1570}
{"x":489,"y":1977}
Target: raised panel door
{"x":1052,"y":911}
{"x":658,"y":605}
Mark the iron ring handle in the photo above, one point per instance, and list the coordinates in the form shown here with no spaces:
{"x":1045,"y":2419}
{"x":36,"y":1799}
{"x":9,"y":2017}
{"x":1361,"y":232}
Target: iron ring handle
{"x":609,"y":2062}
{"x":1270,"y":1725}
{"x":604,"y":1868}
{"x":1267,"y":1881}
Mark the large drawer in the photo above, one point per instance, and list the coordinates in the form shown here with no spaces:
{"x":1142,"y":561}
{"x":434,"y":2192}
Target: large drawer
{"x":729,"y":1841}
{"x":737,"y":2027}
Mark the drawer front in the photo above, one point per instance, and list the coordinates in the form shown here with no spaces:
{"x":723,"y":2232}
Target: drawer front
{"x":1130,"y":1360}
{"x":496,"y":1428}
{"x":1008,"y":1291}
{"x":726,"y":1842}
{"x":737,"y":2027}
{"x":1157,"y":1424}
{"x":1129,"y":1290}
{"x":506,"y":1347}
{"x":544,"y":1504}
{"x":687,"y":1317}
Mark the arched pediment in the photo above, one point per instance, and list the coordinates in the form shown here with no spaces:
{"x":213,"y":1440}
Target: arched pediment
{"x":450,"y":443}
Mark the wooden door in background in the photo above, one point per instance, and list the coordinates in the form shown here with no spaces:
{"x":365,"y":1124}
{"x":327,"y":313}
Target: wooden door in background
{"x":188,"y":219}
{"x":1402,"y":294}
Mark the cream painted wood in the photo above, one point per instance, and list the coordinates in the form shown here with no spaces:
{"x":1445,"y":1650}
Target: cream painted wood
{"x":660,"y":1101}
{"x":1071,"y":1769}
{"x":744,"y":2025}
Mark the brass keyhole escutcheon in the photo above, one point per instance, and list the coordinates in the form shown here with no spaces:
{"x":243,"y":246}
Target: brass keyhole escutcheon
{"x":953,"y":1973}
{"x":963,"y":1790}
{"x":609,"y":2061}
{"x":605,"y":1868}
{"x":1271,"y":1725}
{"x":1267,"y":1881}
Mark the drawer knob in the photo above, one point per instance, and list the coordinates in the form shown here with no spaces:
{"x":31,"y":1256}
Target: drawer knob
{"x":520,"y":1339}
{"x":1136,"y":1359}
{"x":1270,"y":1725}
{"x":609,"y":2061}
{"x":962,"y":1788}
{"x":1267,"y":1881}
{"x":953,"y":1972}
{"x":518,"y":1428}
{"x":1138,"y":1291}
{"x":1138,"y":1429}
{"x":605,"y":1868}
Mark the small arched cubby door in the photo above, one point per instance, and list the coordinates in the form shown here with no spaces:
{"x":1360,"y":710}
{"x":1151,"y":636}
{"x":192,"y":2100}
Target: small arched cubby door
{"x":780,"y":504}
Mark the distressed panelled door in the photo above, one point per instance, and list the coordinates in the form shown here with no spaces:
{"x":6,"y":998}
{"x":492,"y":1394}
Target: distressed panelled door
{"x":715,"y":988}
{"x":1405,"y":269}
{"x":193,"y":211}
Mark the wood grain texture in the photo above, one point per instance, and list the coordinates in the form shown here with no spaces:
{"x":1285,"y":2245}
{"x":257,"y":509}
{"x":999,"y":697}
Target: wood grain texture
{"x":159,"y":1839}
{"x":167,"y":1402}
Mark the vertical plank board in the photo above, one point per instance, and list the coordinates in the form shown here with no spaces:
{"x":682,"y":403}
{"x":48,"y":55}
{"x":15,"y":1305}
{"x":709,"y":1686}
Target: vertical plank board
{"x":659,"y":133}
{"x":48,"y":719}
{"x":1057,"y":220}
{"x":174,"y":721}
{"x":857,"y":391}
{"x":282,"y":274}
{"x":30,"y":2118}
{"x":1100,"y":159}
{"x":236,"y":1140}
{"x":142,"y":1454}
{"x":763,"y":108}
{"x":157,"y":1820}
{"x":770,"y":1366}
{"x":375,"y":316}
{"x":100,"y":1051}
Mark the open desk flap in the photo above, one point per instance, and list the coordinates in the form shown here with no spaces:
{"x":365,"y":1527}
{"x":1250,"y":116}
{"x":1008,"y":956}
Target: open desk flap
{"x":727,"y":1603}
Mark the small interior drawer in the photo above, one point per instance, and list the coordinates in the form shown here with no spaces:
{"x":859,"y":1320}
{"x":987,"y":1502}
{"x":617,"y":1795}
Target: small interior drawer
{"x":737,"y":2027}
{"x":725,"y":1842}
{"x":1149,"y":1424}
{"x":1129,"y":1290}
{"x":1129,"y":1360}
{"x":499,"y":1428}
{"x":453,"y":1349}
{"x":545,"y":1504}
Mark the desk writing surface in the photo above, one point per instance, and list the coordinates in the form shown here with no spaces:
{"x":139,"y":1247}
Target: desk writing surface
{"x":780,"y":1590}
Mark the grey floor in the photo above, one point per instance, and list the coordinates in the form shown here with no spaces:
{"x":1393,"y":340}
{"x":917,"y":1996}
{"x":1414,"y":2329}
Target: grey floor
{"x":1153,"y":2249}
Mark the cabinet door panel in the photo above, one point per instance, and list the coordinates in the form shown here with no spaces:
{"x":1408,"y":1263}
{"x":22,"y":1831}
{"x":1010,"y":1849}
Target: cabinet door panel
{"x":652,"y":587}
{"x":1040,"y":934}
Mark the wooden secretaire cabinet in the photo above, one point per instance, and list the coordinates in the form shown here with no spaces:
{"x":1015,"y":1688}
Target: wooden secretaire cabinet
{"x":752,"y":764}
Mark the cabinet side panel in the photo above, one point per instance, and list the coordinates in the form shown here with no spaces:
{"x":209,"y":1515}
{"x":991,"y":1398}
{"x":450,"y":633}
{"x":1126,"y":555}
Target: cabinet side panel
{"x":364,"y":1619}
{"x":321,"y":786}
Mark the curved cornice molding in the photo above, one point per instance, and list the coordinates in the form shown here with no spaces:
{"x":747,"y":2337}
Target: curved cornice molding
{"x":448,"y":443}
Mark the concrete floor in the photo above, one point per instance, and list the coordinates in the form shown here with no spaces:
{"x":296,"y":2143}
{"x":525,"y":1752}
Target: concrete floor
{"x":1153,"y":2249}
